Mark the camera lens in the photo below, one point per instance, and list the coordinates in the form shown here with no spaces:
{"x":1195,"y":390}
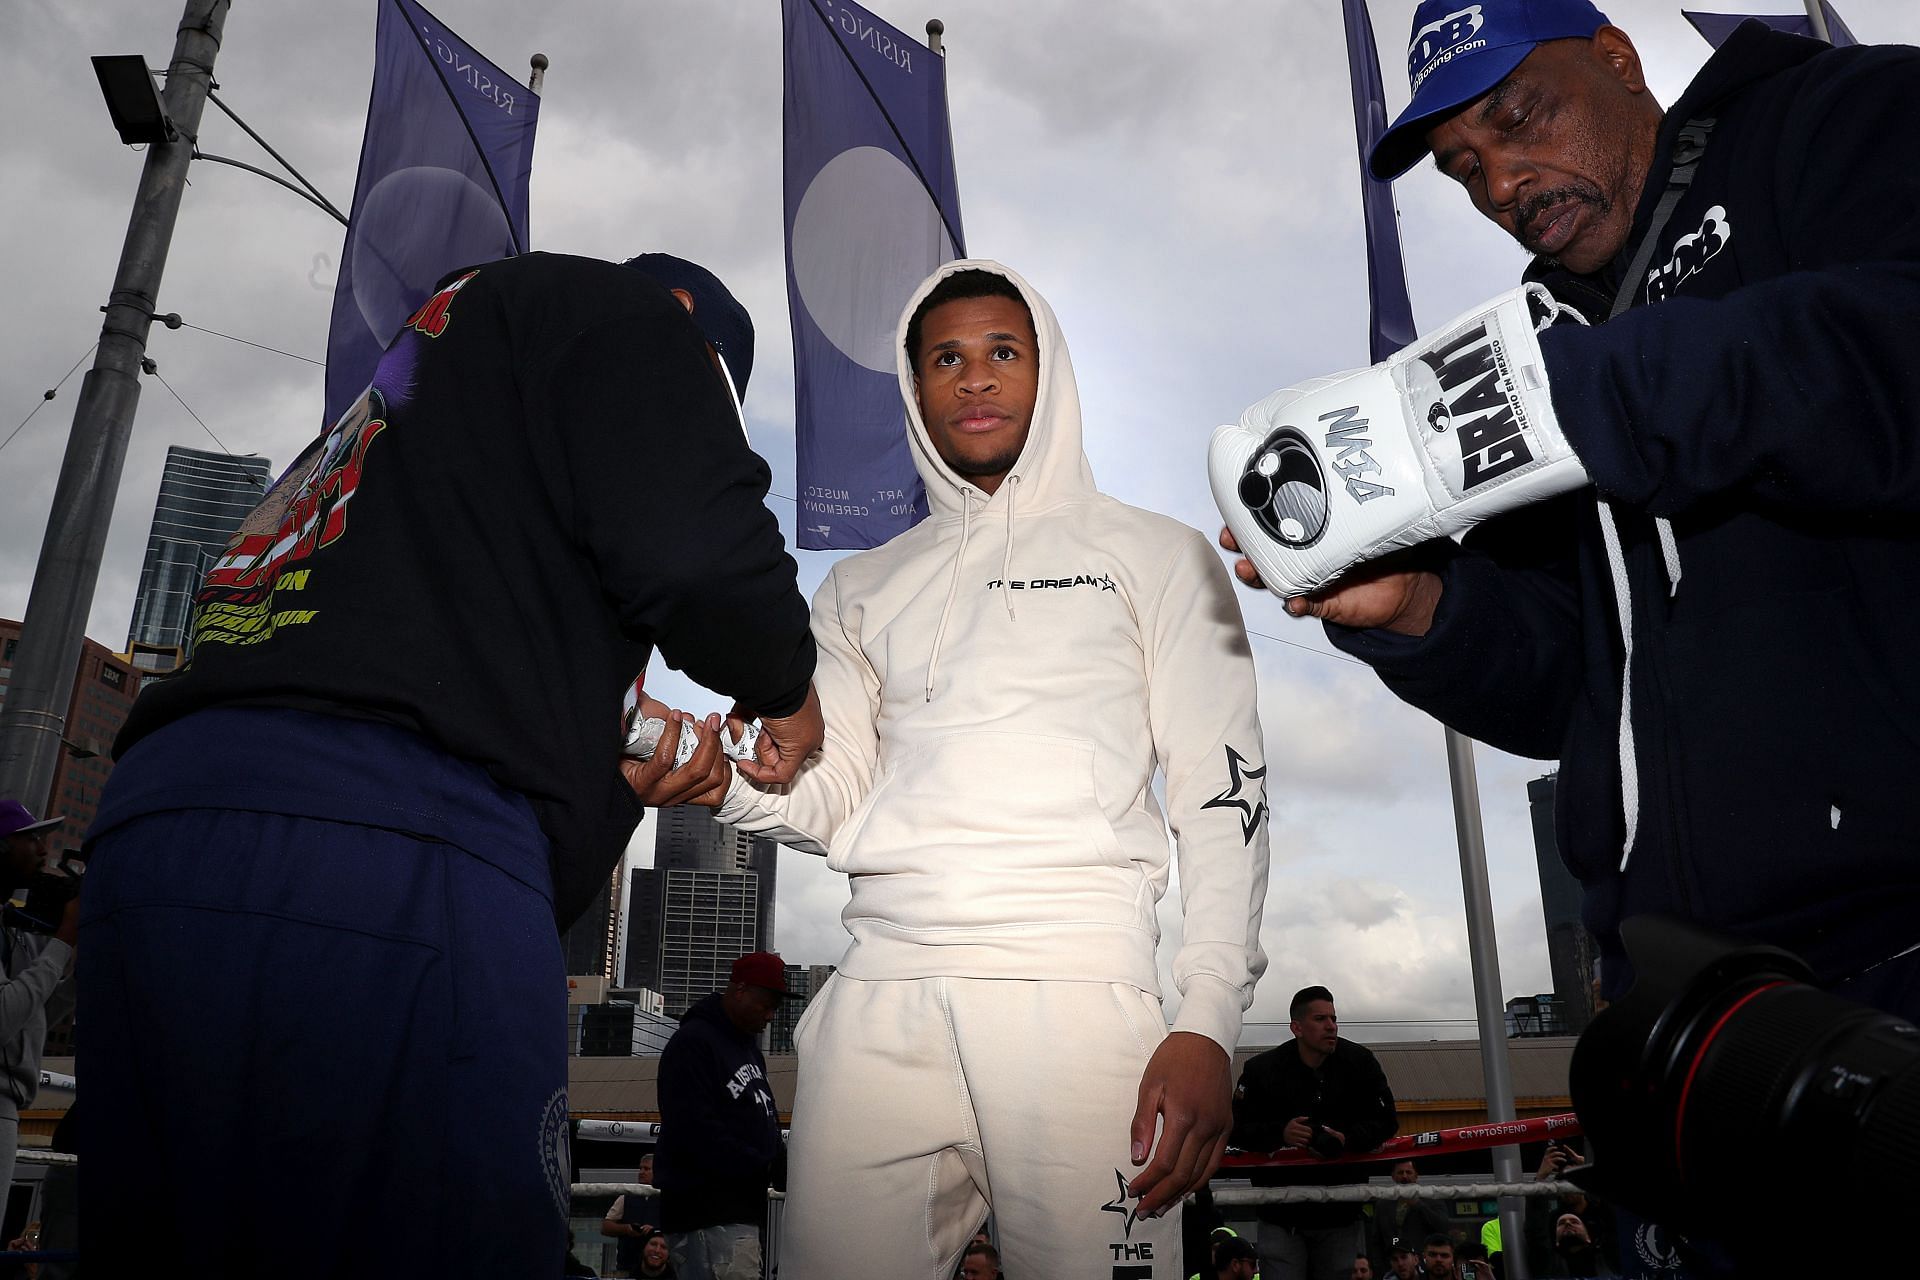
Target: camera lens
{"x":1723,"y":1064}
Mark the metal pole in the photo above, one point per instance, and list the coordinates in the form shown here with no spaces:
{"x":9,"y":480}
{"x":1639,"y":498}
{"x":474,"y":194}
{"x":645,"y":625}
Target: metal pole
{"x":1817,"y":14}
{"x":539,"y":74}
{"x":1485,"y":955}
{"x":936,"y":29}
{"x":69,"y":566}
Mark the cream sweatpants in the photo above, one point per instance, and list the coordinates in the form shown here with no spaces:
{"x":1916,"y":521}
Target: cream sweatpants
{"x":922,"y":1104}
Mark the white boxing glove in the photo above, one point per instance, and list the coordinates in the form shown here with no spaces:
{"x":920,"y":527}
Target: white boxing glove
{"x":1446,"y":432}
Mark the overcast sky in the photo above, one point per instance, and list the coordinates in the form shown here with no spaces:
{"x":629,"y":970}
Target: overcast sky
{"x":1179,"y":180}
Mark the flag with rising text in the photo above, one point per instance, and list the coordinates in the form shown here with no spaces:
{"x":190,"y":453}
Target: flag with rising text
{"x":1390,"y":309}
{"x":871,"y":209}
{"x":444,"y":167}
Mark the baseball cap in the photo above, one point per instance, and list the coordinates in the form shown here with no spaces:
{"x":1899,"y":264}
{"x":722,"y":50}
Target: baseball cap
{"x":762,"y":969}
{"x":1458,"y":51}
{"x":724,"y":323}
{"x":1234,"y":1248}
{"x":1402,"y":1244}
{"x":16,"y":818}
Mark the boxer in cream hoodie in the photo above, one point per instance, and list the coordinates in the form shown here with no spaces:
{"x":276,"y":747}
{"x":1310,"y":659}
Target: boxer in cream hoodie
{"x":1000,"y":684}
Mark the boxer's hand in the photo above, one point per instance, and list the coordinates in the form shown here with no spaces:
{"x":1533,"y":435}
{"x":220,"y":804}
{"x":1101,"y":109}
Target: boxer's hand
{"x":1188,"y":1086}
{"x":785,"y":743}
{"x":701,"y":780}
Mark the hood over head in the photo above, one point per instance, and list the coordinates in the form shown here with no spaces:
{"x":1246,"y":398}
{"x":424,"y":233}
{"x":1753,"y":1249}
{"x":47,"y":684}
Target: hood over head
{"x":1053,"y":464}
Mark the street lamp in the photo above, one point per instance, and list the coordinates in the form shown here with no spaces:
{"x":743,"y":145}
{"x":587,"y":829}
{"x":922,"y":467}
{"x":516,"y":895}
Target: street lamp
{"x":132,"y":101}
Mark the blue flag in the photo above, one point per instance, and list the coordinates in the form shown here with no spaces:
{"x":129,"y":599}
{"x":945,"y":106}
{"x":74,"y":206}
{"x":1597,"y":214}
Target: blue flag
{"x":1716,"y":27}
{"x":872,"y":208}
{"x":1390,"y":310}
{"x":443,"y":184}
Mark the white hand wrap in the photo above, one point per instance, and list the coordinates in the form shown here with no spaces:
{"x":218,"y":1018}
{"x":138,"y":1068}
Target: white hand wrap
{"x":1457,"y":427}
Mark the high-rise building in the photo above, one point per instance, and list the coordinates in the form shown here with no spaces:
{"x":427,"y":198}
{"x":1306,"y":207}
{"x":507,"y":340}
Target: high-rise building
{"x":203,"y":498}
{"x":1571,"y":952}
{"x":803,"y":984}
{"x":104,"y":686}
{"x":706,"y":901}
{"x":591,"y":943}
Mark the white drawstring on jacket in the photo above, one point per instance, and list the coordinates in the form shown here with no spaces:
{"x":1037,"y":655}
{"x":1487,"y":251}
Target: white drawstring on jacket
{"x":1006,"y":560}
{"x":953,"y":586}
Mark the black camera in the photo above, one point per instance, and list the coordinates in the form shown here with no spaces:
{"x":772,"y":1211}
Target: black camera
{"x":1723,"y":1075}
{"x":48,"y":894}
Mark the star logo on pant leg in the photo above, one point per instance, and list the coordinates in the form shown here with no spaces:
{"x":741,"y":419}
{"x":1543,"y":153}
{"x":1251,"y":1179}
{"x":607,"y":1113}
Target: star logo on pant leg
{"x":1248,"y":794}
{"x":1129,"y":1213}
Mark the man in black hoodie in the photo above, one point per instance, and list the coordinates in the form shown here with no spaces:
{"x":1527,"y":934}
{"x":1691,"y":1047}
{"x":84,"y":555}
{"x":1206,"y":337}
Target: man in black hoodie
{"x":719,"y":1128}
{"x":1746,"y":405}
{"x":324,"y":883}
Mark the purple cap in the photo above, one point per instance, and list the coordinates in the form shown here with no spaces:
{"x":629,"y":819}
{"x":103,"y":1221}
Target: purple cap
{"x":16,"y":818}
{"x":1458,"y":51}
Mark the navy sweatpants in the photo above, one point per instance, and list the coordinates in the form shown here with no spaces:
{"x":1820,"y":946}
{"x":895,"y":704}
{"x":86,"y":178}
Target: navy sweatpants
{"x":315,"y":1047}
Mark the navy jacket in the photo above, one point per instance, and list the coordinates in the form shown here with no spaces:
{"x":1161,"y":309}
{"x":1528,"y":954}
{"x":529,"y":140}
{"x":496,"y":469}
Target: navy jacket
{"x":1763,"y":395}
{"x":719,"y":1128}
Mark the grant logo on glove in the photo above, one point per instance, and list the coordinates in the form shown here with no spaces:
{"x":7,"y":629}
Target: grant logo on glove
{"x":1318,"y":478}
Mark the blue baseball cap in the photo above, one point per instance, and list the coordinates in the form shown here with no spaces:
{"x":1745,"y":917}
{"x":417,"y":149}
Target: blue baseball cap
{"x":1461,"y":49}
{"x":719,"y":316}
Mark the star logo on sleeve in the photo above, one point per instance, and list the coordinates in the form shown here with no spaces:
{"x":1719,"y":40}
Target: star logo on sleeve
{"x":1247,"y":793}
{"x":1129,"y":1212}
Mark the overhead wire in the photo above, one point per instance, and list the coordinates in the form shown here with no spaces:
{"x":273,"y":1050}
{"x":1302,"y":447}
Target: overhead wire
{"x":46,"y":396}
{"x":196,"y":417}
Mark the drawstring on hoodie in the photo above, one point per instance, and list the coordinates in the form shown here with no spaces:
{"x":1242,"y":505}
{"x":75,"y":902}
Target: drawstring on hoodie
{"x":1006,"y":560}
{"x":1688,"y":147}
{"x":959,"y":557}
{"x":953,"y":587}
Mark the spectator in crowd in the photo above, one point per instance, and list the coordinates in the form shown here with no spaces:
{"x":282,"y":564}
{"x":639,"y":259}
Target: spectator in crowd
{"x":719,"y":1128}
{"x":1411,"y":1219}
{"x":1235,"y":1259}
{"x":1471,"y":1258}
{"x":1575,"y":1252}
{"x":1322,"y":1092}
{"x":1436,"y":1258}
{"x":1403,"y":1259}
{"x":37,"y":961}
{"x":656,"y":1262}
{"x":629,"y":1220}
{"x":1362,"y":1268}
{"x":1542,"y":1255}
{"x":981,"y":1261}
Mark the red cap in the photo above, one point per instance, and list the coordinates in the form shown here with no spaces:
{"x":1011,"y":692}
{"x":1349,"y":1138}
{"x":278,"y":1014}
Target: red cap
{"x":762,"y":969}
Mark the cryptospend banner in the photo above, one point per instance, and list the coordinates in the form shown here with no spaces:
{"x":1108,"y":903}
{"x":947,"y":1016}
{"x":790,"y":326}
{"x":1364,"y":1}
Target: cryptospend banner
{"x":443,"y":184}
{"x":1716,"y":27}
{"x":1390,"y":309}
{"x":871,"y":208}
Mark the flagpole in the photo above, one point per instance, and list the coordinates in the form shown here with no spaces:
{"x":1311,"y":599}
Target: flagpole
{"x":538,"y":76}
{"x":61,"y":597}
{"x":1817,"y":14}
{"x":1390,"y":328}
{"x":936,"y":29}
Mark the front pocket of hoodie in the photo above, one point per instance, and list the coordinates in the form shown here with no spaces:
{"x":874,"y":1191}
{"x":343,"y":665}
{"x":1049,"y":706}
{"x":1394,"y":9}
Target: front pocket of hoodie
{"x":990,"y":802}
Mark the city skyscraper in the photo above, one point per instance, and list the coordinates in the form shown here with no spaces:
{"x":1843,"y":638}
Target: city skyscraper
{"x":706,"y":901}
{"x":1571,"y":953}
{"x":203,"y":498}
{"x":591,"y":943}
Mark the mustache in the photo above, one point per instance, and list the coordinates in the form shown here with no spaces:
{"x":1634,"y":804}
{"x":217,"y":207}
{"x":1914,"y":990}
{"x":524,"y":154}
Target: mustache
{"x":1540,"y":202}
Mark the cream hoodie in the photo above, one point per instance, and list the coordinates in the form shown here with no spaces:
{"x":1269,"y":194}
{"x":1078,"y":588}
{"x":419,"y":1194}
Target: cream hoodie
{"x":999,"y":684}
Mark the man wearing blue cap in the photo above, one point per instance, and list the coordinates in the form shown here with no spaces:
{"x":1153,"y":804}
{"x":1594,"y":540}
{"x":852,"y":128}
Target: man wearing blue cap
{"x":1736,"y":748}
{"x":320,"y":915}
